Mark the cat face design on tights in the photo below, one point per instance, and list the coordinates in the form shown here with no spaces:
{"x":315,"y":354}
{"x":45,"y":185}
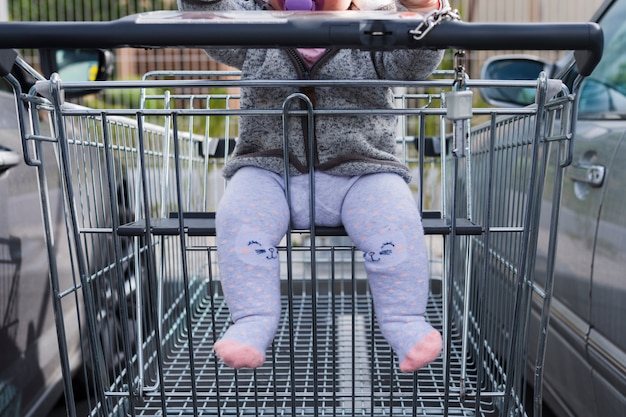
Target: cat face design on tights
{"x":376,"y":256}
{"x":386,"y":249}
{"x":254,"y":247}
{"x":259,"y":249}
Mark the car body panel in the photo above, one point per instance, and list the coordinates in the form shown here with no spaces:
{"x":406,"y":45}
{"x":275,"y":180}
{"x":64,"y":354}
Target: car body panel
{"x":607,"y":339}
{"x":29,"y":364}
{"x":569,"y":371}
{"x":585,"y":370}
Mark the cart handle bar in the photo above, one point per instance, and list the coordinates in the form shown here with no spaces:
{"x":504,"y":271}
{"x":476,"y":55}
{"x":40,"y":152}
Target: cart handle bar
{"x":262,"y":29}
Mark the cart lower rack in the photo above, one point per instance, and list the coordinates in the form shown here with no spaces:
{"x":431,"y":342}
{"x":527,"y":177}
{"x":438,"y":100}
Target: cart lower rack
{"x":140,"y":185}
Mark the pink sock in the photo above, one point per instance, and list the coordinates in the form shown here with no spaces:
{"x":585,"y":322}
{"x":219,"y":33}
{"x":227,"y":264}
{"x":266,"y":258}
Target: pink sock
{"x":237,"y":355}
{"x":423,"y":353}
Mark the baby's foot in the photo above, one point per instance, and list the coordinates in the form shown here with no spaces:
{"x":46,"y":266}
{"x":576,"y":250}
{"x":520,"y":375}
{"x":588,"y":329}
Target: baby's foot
{"x":245,"y":342}
{"x":238,"y":355}
{"x":424,"y":352}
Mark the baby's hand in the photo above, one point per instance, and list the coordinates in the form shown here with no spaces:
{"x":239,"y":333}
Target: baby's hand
{"x":421,"y":6}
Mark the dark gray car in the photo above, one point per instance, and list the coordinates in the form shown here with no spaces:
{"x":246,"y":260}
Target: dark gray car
{"x":30,"y":377}
{"x":585,"y":367}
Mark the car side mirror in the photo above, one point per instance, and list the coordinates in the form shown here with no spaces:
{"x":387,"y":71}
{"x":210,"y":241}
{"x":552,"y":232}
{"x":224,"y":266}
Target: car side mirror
{"x":78,"y":65}
{"x":512,"y":68}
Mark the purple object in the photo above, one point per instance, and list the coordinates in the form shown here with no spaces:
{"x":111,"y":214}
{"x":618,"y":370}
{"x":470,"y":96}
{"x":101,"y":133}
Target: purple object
{"x":303,"y":5}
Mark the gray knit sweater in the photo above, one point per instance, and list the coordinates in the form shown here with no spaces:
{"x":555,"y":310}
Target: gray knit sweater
{"x":343,"y":144}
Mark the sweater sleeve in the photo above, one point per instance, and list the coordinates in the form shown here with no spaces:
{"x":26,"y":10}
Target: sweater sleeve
{"x":408,"y":64}
{"x":231,"y":57}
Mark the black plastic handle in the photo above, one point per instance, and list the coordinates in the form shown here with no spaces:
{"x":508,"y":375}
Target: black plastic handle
{"x":586,"y":39}
{"x":362,"y":30}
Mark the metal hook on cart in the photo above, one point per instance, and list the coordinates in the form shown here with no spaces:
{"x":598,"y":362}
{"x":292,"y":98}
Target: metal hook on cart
{"x":459,"y":105}
{"x":432,"y":19}
{"x":460,"y":76}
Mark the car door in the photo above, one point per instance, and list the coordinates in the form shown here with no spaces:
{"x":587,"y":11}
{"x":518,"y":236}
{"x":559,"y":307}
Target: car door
{"x":607,"y":336}
{"x":585,"y":361}
{"x":568,"y":368}
{"x":30,"y":373}
{"x":603,"y":107}
{"x":584,"y":370}
{"x":25,"y":308}
{"x":567,"y":374}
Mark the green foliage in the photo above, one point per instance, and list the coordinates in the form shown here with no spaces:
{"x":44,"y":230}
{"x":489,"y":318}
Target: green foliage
{"x":79,"y":10}
{"x":154,"y":99}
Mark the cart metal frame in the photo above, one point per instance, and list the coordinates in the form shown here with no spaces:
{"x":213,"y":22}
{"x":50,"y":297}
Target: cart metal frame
{"x":140,"y":189}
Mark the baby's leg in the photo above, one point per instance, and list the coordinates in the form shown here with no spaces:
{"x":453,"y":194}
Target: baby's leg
{"x":252,"y":218}
{"x":380,"y":215}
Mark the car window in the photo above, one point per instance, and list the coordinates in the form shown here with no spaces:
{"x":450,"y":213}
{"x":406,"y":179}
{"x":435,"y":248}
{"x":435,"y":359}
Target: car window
{"x":4,"y":86}
{"x":604,"y":91}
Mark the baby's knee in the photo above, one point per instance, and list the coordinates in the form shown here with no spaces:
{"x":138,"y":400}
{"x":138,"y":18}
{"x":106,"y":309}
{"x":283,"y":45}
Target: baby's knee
{"x":255,"y":247}
{"x":384,"y":250}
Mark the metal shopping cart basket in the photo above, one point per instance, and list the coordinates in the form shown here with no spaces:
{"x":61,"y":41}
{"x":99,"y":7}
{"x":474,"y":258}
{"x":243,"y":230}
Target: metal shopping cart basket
{"x":140,"y":186}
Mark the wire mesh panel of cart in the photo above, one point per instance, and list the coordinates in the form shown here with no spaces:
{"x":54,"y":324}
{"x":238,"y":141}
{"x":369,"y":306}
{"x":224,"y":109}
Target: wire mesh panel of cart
{"x":141,"y":185}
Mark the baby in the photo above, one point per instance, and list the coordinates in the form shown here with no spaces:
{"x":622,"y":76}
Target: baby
{"x":359,"y":184}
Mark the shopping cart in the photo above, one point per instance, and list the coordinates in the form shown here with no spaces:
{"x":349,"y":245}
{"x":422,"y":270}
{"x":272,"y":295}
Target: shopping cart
{"x":140,"y":188}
